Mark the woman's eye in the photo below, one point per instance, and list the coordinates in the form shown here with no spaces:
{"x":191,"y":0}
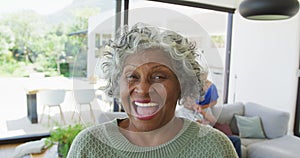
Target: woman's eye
{"x":158,"y":77}
{"x":131,"y":77}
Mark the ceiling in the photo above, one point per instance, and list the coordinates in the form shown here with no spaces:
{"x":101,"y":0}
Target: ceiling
{"x":213,"y":22}
{"x":223,"y":3}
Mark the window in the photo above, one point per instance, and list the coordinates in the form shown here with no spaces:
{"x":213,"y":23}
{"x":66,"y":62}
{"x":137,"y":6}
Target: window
{"x":43,"y":48}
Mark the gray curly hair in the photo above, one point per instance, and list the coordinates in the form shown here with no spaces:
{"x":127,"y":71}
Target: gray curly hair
{"x":140,"y":37}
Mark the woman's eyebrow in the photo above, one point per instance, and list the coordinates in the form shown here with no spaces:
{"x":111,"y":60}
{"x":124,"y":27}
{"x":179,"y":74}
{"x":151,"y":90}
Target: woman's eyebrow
{"x":156,"y":67}
{"x":161,"y":67}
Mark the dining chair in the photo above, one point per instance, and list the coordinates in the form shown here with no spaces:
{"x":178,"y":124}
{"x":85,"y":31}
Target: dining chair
{"x":84,"y":97}
{"x":52,"y":98}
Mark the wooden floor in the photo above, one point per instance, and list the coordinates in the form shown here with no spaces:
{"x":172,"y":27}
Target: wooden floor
{"x":7,"y":150}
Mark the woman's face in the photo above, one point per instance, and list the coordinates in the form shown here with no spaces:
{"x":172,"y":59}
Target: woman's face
{"x":149,"y":90}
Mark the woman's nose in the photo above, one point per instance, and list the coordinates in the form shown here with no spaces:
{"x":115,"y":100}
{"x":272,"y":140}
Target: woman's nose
{"x":143,"y":87}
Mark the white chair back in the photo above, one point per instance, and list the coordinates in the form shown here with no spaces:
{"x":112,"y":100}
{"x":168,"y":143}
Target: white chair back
{"x":52,"y":97}
{"x":84,"y":96}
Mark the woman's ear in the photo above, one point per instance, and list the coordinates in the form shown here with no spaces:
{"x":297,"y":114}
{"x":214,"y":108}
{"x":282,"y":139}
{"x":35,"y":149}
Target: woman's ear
{"x":180,"y":99}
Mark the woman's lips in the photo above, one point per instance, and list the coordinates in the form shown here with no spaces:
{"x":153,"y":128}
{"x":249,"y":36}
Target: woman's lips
{"x":145,"y":111}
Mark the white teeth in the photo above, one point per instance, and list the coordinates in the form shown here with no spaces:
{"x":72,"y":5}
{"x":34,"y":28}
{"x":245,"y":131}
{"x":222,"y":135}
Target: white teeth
{"x":145,"y":104}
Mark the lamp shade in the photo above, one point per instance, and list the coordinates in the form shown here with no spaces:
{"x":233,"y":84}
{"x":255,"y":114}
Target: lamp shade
{"x":268,"y":9}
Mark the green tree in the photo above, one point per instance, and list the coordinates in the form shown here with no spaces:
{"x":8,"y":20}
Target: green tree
{"x":6,"y":39}
{"x":29,"y":42}
{"x":81,"y":16}
{"x":76,"y":45}
{"x":52,"y":47}
{"x":25,"y":25}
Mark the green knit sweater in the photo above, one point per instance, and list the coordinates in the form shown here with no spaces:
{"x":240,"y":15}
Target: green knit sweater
{"x":193,"y":141}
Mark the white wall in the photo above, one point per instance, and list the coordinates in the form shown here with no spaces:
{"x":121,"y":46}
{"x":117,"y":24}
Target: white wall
{"x":265,"y":60}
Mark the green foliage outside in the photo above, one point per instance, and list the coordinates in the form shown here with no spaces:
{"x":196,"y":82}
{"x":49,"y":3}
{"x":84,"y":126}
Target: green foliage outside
{"x":29,"y":43}
{"x":9,"y":66}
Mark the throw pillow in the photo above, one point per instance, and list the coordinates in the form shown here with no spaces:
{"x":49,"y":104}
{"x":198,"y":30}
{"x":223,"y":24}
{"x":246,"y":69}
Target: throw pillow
{"x":223,"y":128}
{"x":233,"y":125}
{"x":250,"y":127}
{"x":32,"y":147}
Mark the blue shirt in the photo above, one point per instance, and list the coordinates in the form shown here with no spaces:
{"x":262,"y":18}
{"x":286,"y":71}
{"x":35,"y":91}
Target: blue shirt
{"x":210,"y":95}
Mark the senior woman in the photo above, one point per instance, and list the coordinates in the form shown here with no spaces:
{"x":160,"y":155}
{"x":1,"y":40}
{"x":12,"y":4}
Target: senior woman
{"x":151,"y":70}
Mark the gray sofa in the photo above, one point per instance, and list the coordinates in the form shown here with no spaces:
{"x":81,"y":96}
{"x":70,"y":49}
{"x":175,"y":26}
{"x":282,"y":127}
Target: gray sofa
{"x":276,"y":144}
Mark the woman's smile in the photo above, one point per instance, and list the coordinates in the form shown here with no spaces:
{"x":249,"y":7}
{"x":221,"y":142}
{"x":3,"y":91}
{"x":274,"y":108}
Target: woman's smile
{"x":145,"y":111}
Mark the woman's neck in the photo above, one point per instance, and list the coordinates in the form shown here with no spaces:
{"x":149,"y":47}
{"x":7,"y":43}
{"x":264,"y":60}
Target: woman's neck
{"x":157,"y":136}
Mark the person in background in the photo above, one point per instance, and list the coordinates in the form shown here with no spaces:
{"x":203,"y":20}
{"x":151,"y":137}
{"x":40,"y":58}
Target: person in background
{"x":150,"y":70}
{"x":200,"y":111}
{"x":210,"y":99}
{"x":195,"y":113}
{"x":211,"y":95}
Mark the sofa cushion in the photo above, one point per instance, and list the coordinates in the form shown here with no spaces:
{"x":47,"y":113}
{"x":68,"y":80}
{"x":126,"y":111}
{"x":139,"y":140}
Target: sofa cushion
{"x":275,"y":122}
{"x":244,"y":152}
{"x":225,"y":114}
{"x":249,"y":141}
{"x":285,"y":147}
{"x":250,"y":127}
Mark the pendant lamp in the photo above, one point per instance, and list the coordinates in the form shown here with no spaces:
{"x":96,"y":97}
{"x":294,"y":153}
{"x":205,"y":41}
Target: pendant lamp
{"x":268,"y":9}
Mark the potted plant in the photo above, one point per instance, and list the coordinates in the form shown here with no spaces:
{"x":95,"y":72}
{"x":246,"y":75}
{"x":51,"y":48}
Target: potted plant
{"x":63,"y":137}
